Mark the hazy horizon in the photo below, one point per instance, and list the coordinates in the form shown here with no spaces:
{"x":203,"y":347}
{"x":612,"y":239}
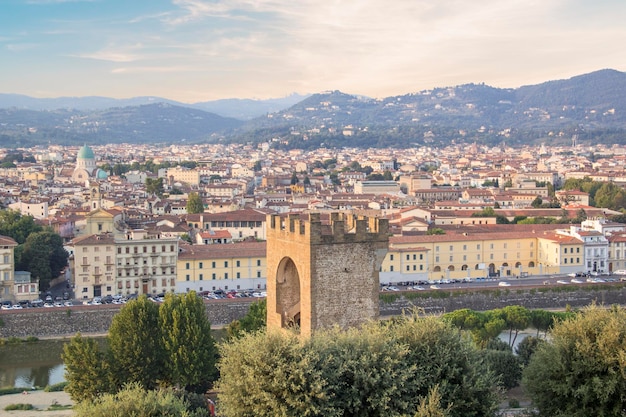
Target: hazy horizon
{"x":203,"y":50}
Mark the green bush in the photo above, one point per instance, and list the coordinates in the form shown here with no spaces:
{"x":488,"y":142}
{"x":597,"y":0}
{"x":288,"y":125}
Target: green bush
{"x":7,"y":391}
{"x":513,"y":403}
{"x":20,"y":406}
{"x":133,"y":400}
{"x":31,"y":339}
{"x":56,"y":387}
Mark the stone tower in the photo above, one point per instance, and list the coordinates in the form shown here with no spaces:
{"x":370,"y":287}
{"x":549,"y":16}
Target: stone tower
{"x":323,"y":274}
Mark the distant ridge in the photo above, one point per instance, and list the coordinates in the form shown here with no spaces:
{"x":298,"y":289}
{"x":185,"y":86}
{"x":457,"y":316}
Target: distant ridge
{"x":590,"y":107}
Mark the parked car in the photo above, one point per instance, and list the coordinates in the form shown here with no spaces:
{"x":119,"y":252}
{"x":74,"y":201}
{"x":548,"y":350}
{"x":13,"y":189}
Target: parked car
{"x":7,"y":305}
{"x":504,"y":284}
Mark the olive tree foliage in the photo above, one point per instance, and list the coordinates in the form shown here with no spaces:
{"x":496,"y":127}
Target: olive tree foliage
{"x":255,"y":319}
{"x":135,"y":344}
{"x":86,"y":369}
{"x":382,"y":369}
{"x":581,"y":369}
{"x":269,"y":374}
{"x":134,"y":400}
{"x":189,"y":347}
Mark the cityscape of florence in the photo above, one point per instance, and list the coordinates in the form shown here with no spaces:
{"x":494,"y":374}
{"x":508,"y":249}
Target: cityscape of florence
{"x":231,"y":208}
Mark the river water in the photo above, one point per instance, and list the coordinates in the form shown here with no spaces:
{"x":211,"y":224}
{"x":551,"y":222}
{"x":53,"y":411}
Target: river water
{"x":34,"y":364}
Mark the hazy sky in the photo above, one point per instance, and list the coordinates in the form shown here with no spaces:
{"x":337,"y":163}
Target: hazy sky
{"x":199,"y":50}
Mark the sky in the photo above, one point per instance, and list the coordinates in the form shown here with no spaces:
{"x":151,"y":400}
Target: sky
{"x":200,"y":50}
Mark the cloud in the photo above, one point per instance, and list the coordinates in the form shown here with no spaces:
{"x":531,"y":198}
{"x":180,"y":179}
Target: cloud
{"x":153,"y":69}
{"x":128,"y":53}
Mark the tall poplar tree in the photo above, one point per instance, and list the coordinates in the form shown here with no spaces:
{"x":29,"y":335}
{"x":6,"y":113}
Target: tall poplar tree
{"x":135,"y":344}
{"x":189,"y":346}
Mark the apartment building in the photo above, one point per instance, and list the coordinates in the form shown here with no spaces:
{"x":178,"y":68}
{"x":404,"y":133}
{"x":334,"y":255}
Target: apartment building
{"x":7,"y":267}
{"x":139,"y":262}
{"x":480,"y":255}
{"x":227,"y":267}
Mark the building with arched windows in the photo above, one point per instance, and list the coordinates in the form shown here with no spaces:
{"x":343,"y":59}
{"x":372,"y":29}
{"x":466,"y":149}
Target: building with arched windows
{"x":86,"y":168}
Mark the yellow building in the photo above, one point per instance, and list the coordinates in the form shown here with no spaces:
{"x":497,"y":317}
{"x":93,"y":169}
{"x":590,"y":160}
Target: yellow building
{"x":479,"y":255}
{"x":7,"y":267}
{"x":233,"y":266}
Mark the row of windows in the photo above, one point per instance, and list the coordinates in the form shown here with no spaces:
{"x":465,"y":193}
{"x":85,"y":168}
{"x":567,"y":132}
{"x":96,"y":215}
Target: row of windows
{"x":214,"y":264}
{"x":97,"y":248}
{"x":214,"y":276}
{"x":144,"y":249}
{"x":571,"y":250}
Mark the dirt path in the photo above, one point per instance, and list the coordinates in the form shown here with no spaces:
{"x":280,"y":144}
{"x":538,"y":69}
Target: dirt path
{"x":40,"y":400}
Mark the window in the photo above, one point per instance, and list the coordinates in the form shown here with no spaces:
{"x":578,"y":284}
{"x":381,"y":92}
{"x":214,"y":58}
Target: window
{"x":212,"y":264}
{"x":421,"y":256}
{"x":408,"y":257}
{"x":225,"y":264}
{"x":391,"y":268}
{"x":200,"y":265}
{"x":238,"y":275}
{"x":225,"y":275}
{"x":187,"y":265}
{"x":258,"y":274}
{"x":238,"y":263}
{"x":451,"y":249}
{"x":258,"y":262}
{"x":391,"y":257}
{"x":415,"y":256}
{"x":408,"y":267}
{"x":187,"y":277}
{"x":201,"y":277}
{"x":212,"y":276}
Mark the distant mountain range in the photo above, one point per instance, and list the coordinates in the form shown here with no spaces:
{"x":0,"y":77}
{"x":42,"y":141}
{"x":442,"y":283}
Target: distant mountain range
{"x":590,"y":107}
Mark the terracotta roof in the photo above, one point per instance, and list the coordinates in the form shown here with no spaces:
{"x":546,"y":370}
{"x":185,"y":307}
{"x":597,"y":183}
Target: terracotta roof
{"x":229,"y":250}
{"x":7,"y":241}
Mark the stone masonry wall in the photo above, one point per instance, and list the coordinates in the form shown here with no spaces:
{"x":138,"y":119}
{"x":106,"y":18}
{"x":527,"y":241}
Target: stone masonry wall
{"x":67,"y":321}
{"x":483,"y":300}
{"x":57,"y":322}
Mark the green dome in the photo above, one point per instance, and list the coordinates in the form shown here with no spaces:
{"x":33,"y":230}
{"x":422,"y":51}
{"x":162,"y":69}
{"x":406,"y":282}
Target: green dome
{"x":85,"y":153}
{"x":101,"y":175}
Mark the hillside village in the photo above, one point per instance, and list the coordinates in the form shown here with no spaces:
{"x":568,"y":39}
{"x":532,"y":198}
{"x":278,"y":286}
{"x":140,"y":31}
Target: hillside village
{"x":124,"y":238}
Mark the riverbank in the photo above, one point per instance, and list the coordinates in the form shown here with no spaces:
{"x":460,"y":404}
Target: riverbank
{"x":41,"y":402}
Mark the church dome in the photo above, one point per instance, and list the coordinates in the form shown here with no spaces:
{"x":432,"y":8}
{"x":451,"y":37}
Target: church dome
{"x":85,"y":153}
{"x":101,"y":174}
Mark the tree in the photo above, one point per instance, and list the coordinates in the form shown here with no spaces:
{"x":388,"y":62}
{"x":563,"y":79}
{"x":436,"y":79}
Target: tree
{"x":190,"y":353}
{"x":505,"y":365}
{"x":155,"y":186}
{"x":294,"y":178}
{"x":255,"y":319}
{"x":135,"y":344}
{"x":516,"y":318}
{"x":194,"y":204}
{"x":435,"y":231}
{"x":580,"y":370}
{"x":381,"y":369}
{"x":43,"y":255}
{"x":17,"y":226}
{"x":527,"y":348}
{"x":86,"y":371}
{"x":537,"y":202}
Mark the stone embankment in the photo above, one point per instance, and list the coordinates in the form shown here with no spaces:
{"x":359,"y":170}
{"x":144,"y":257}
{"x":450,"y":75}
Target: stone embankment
{"x":67,"y":321}
{"x":547,"y":298}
